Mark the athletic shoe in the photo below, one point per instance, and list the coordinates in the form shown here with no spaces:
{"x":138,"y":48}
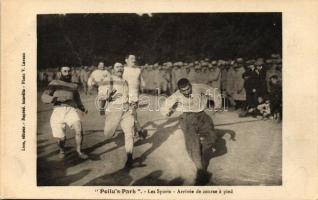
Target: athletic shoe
{"x":82,"y":156}
{"x":61,"y":154}
{"x":143,"y":133}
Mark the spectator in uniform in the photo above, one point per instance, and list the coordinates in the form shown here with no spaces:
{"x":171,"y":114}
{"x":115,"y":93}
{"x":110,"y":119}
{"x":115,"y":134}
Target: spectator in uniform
{"x":261,"y":89}
{"x":84,"y":78}
{"x":215,"y":76}
{"x":239,"y":94}
{"x":275,"y":97}
{"x":75,"y":75}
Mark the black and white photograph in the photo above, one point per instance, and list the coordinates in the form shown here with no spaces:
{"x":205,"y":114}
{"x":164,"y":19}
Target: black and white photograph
{"x":187,"y":99}
{"x":159,"y":99}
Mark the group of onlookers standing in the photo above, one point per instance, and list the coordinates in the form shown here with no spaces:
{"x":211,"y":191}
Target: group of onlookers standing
{"x":253,"y":86}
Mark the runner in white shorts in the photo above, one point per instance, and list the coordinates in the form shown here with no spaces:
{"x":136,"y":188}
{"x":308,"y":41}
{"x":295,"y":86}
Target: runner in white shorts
{"x":66,"y":100}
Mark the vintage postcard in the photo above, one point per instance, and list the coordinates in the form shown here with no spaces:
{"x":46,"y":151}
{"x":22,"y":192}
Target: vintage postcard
{"x":159,"y":100}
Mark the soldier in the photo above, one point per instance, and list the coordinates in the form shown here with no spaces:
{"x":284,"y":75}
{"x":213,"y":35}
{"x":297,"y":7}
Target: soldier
{"x":197,"y":126}
{"x":273,"y":70}
{"x":145,"y":76}
{"x":118,"y":112}
{"x":66,"y":100}
{"x":215,"y":76}
{"x":260,"y":83}
{"x":165,"y":79}
{"x":151,"y":80}
{"x":75,"y":76}
{"x":275,"y":97}
{"x":239,"y":94}
{"x":187,"y":70}
{"x":50,"y":75}
{"x":100,"y":77}
{"x":132,"y":74}
{"x":84,"y":79}
{"x":194,"y":75}
{"x":204,"y":73}
{"x":58,"y":74}
{"x":229,"y":88}
{"x":156,"y":78}
{"x":175,"y":74}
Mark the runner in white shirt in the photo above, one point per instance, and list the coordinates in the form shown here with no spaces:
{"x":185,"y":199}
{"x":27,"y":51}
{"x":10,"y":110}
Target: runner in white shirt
{"x":196,"y":125}
{"x":100,"y":77}
{"x":132,"y":74}
{"x":118,"y":112}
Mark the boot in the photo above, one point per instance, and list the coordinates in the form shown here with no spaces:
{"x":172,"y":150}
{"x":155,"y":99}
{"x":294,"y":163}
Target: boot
{"x":61,"y":146}
{"x":129,"y":161}
{"x":143,"y":133}
{"x":202,"y":177}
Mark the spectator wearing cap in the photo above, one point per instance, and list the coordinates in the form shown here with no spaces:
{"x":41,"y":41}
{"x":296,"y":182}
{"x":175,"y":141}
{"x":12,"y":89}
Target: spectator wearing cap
{"x":229,"y":86}
{"x":151,"y":80}
{"x":84,"y":78}
{"x":274,"y":69}
{"x":250,"y":83}
{"x":176,"y":73}
{"x":164,"y":79}
{"x":206,"y":72}
{"x":200,"y":76}
{"x":275,"y":97}
{"x":49,"y":75}
{"x":145,"y":74}
{"x":192,"y":76}
{"x":239,"y":94}
{"x":187,"y":70}
{"x":75,"y":75}
{"x":260,"y":84}
{"x":224,"y":71}
{"x":156,"y":77}
{"x":214,"y":79}
{"x":58,"y":74}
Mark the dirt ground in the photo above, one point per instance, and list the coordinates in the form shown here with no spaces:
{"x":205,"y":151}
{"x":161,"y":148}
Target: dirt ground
{"x":248,"y":152}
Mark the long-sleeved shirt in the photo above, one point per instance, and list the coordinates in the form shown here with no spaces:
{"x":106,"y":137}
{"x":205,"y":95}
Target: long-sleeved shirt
{"x":61,"y":93}
{"x":98,"y":76}
{"x":197,"y":101}
{"x":119,"y":85}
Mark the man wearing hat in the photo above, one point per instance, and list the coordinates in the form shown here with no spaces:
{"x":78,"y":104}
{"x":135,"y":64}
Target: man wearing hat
{"x":84,"y":78}
{"x":165,"y":79}
{"x":239,"y":93}
{"x":229,"y":83}
{"x":195,"y":75}
{"x":215,"y":76}
{"x":261,"y":79}
{"x":146,"y":75}
{"x":175,"y":73}
{"x":204,"y":73}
